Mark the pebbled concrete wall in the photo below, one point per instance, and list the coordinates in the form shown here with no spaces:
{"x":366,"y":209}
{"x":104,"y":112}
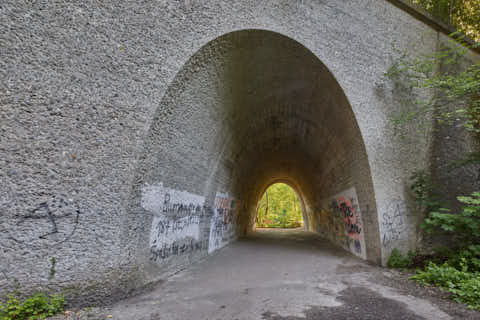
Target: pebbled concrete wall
{"x":137,"y":137}
{"x":451,"y":145}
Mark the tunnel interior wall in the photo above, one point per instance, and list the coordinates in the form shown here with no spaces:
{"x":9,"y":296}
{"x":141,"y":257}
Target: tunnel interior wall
{"x":249,"y":108}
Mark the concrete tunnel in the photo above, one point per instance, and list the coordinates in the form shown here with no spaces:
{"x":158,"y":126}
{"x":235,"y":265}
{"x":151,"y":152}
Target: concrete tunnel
{"x":252,"y":108}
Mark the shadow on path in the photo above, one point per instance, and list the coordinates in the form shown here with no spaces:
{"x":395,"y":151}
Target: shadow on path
{"x":359,"y":303}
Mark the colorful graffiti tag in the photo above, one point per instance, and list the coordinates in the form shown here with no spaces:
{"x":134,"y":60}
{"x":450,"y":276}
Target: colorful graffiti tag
{"x":345,"y":222}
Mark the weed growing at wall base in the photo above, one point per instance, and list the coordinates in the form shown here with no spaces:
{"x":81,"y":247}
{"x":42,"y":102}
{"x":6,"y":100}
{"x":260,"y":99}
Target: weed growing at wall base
{"x":456,"y":269}
{"x":460,"y":274}
{"x":463,"y":284}
{"x":38,"y":306}
{"x":397,"y":260}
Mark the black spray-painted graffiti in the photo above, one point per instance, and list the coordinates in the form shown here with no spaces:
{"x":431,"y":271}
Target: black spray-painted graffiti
{"x":179,"y":209}
{"x":222,"y":226}
{"x":394,"y":223}
{"x":55,"y":222}
{"x":176,"y":248}
{"x":176,"y":227}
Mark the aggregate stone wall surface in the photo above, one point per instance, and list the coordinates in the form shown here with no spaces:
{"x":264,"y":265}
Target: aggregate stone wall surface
{"x":137,"y":136}
{"x":451,"y":145}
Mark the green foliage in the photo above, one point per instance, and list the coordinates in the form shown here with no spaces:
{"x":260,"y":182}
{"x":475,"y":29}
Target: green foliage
{"x":423,"y":190}
{"x":457,"y":93}
{"x":464,"y":15}
{"x":52,"y":268}
{"x":443,"y":276}
{"x":468,"y":292}
{"x":455,"y":268}
{"x":463,"y":226}
{"x":459,"y":272}
{"x":438,"y":8}
{"x":38,"y":306}
{"x":398,"y":260}
{"x":471,"y":158}
{"x":463,"y":284}
{"x":469,"y":257}
{"x":279,"y":208}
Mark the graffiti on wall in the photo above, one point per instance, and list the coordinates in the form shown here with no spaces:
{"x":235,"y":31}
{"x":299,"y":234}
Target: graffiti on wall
{"x":49,"y":223}
{"x":176,"y":221}
{"x":394,"y":223}
{"x":336,"y":223}
{"x":222,"y":226}
{"x":345,"y":221}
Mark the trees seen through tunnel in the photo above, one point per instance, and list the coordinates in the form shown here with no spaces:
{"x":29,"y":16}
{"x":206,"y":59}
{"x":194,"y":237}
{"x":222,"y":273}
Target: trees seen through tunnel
{"x":279,"y":208}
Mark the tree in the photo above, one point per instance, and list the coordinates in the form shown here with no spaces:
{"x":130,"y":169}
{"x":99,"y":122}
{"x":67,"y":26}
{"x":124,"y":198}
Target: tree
{"x":278,"y":207}
{"x":462,"y":14}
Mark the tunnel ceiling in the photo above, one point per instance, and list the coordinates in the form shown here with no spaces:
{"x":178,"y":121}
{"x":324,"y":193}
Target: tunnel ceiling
{"x":251,"y":107}
{"x":285,"y":106}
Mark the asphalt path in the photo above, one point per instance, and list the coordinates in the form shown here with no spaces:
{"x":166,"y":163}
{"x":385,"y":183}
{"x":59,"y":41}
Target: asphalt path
{"x":280,"y":274}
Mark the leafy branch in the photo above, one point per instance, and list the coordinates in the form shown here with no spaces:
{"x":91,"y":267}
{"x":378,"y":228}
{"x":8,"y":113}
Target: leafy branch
{"x":456,"y":94}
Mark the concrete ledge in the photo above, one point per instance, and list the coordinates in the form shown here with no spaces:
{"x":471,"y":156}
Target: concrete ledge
{"x":421,"y":14}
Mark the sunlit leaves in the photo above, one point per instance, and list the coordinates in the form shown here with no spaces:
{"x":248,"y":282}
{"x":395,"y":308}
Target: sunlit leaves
{"x":464,"y":15}
{"x":279,"y":207}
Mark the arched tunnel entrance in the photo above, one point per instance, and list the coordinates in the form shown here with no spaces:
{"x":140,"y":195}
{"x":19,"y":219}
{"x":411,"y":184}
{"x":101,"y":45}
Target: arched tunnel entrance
{"x":251,"y":108}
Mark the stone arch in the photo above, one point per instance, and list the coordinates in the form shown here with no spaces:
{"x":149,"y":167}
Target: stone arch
{"x":115,"y":90}
{"x":251,"y":107}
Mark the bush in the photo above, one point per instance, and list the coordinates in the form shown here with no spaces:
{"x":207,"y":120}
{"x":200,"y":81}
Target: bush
{"x":398,"y":260}
{"x":39,"y":306}
{"x":463,"y":226}
{"x":464,"y":285}
{"x":468,"y":257}
{"x":469,"y":292}
{"x":443,"y":276}
{"x":459,"y":272}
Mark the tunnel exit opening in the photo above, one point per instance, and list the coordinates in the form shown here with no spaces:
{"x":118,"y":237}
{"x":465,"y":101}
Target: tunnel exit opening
{"x":280,"y":207}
